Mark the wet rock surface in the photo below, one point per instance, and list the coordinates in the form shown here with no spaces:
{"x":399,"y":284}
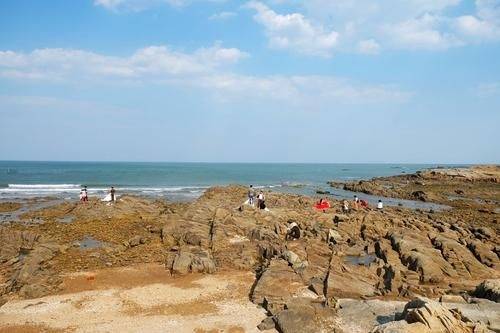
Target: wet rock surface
{"x":366,"y":254}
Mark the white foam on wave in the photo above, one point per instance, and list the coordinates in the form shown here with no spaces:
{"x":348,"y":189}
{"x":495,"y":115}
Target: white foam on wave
{"x":44,"y":186}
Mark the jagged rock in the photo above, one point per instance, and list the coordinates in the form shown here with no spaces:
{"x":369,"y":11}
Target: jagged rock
{"x":483,"y":253}
{"x":489,"y":289}
{"x":419,"y":195}
{"x":260,"y":234}
{"x":33,"y":291}
{"x":135,"y":241}
{"x":368,"y":187}
{"x":192,"y":238}
{"x":25,"y":263}
{"x":421,"y":258}
{"x":294,"y":260}
{"x":303,"y":315}
{"x":427,"y":316}
{"x":278,"y":282}
{"x":353,"y":281}
{"x":334,"y":236}
{"x":483,"y":233}
{"x":185,"y":262}
{"x":340,"y":218}
{"x":452,"y":299}
{"x":392,"y":279}
{"x":461,"y":259}
{"x":297,"y":320}
{"x":266,"y":324}
{"x":317,"y":285}
{"x":154,"y":229}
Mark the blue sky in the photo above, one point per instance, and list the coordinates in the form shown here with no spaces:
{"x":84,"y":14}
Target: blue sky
{"x":250,"y":81}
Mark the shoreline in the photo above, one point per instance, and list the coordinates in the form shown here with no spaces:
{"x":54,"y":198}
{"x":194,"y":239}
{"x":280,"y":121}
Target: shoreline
{"x":369,"y":260}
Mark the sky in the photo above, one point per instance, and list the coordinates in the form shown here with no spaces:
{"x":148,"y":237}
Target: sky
{"x":336,"y":81}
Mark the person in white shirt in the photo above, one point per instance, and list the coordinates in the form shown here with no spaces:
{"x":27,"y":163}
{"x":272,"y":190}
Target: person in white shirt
{"x":260,"y":200}
{"x":380,"y":205}
{"x":83,"y":194}
{"x":345,"y":206}
{"x":293,"y":231}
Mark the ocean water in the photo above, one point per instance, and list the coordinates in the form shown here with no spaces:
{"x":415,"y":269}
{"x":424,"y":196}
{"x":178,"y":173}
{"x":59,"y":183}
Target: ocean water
{"x":176,"y":181}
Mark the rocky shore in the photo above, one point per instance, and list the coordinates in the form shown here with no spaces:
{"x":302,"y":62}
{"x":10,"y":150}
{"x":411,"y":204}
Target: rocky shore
{"x":395,"y":270}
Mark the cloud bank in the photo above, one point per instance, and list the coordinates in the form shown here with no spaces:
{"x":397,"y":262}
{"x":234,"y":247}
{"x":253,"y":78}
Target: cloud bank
{"x":209,"y":69}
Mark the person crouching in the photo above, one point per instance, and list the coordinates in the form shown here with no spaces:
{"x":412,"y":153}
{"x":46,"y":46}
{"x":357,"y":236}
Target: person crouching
{"x":293,"y":231}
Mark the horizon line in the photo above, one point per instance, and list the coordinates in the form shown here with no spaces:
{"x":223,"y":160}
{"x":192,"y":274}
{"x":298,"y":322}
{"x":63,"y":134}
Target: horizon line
{"x":247,"y":162}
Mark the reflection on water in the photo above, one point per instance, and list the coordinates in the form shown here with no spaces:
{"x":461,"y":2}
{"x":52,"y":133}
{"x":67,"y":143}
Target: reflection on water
{"x":371,"y":199}
{"x":88,"y":243}
{"x":15,"y":216}
{"x":365,"y":260}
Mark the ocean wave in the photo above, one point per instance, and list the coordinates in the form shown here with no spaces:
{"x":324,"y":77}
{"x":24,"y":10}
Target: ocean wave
{"x":43,"y":186}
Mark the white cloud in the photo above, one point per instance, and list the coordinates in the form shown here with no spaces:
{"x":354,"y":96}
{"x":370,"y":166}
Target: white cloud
{"x":152,"y":61}
{"x":48,"y":103}
{"x":421,"y":33}
{"x":207,"y":69}
{"x":306,"y":91}
{"x":484,"y":25}
{"x":294,"y":31}
{"x":222,"y":16}
{"x":409,"y":24}
{"x":140,"y":5}
{"x":369,"y":46}
{"x":488,"y":89}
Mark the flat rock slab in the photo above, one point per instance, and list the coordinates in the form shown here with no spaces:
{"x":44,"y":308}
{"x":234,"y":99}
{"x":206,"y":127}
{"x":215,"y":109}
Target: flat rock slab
{"x":357,"y":316}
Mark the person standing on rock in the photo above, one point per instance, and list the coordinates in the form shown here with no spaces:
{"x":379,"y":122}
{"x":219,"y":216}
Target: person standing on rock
{"x":380,"y":205}
{"x":356,"y":201}
{"x":84,"y":195}
{"x":345,"y":206}
{"x":251,"y":195}
{"x":260,"y":200}
{"x":112,"y":193}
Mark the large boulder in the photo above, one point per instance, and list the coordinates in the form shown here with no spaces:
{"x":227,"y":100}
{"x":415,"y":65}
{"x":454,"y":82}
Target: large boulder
{"x":423,"y":315}
{"x":418,"y":255}
{"x":277,"y":284}
{"x":196,"y":261}
{"x":305,"y":315}
{"x":483,"y":253}
{"x":294,"y":260}
{"x":489,"y":289}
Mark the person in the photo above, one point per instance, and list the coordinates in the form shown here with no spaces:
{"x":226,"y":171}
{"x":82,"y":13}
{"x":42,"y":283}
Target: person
{"x":293,"y":231}
{"x":260,"y":200}
{"x":83,"y":194}
{"x":251,"y":195}
{"x":363,"y":203}
{"x":322,"y":204}
{"x":380,"y":205}
{"x":345,"y":206}
{"x":356,"y":201}
{"x":112,"y":193}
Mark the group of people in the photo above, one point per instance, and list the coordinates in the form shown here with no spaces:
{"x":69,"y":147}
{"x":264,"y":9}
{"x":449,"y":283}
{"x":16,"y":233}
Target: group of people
{"x":84,"y":196}
{"x":360,"y":203}
{"x":261,"y":199}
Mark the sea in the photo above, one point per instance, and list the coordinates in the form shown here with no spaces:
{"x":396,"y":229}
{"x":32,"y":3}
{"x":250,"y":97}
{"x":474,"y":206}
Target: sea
{"x":178,"y":181}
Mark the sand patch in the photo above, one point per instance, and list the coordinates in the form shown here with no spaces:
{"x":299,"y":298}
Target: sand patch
{"x":217,"y":303}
